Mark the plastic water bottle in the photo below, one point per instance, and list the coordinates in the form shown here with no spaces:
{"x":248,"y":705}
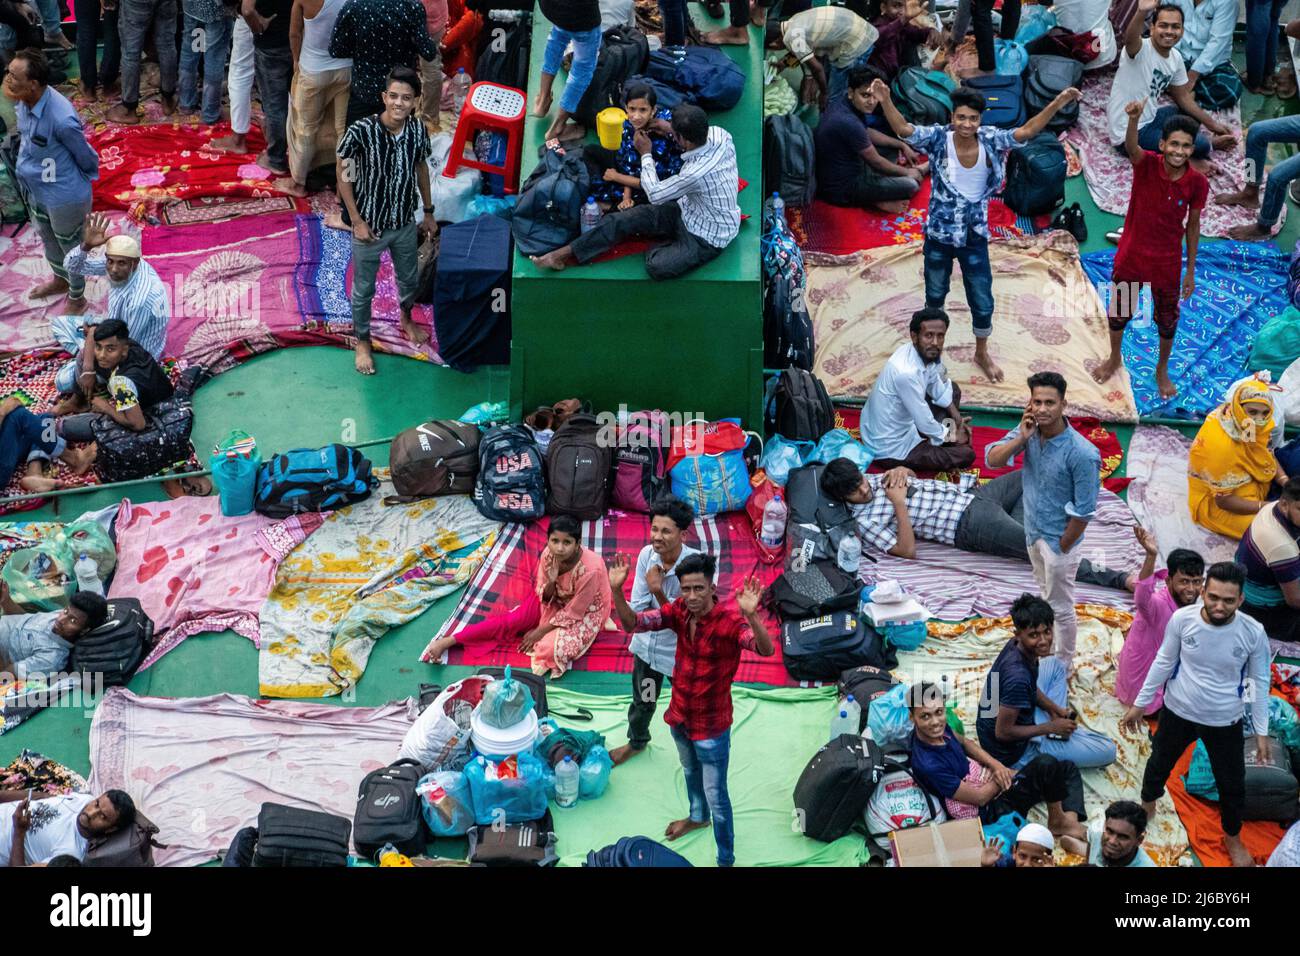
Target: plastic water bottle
{"x":841,"y":724}
{"x":774,"y":515}
{"x":568,"y":780}
{"x":849,"y":554}
{"x":778,"y":205}
{"x":87,"y":572}
{"x":590,"y":218}
{"x":854,"y":712}
{"x":460,"y":84}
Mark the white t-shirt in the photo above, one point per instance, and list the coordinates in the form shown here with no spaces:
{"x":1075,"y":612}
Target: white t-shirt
{"x":53,"y":831}
{"x":1144,"y":76}
{"x":972,"y":182}
{"x":1089,"y":16}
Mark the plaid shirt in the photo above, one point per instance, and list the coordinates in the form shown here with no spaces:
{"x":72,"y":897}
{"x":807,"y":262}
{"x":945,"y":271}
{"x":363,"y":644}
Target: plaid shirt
{"x":705,"y":665}
{"x":935,"y":508}
{"x":952,"y":215}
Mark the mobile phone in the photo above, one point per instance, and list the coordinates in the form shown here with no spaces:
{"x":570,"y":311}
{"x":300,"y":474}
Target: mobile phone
{"x":1073,"y":715}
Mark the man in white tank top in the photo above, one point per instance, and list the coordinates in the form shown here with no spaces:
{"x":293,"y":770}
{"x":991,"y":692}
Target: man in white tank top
{"x":320,"y":88}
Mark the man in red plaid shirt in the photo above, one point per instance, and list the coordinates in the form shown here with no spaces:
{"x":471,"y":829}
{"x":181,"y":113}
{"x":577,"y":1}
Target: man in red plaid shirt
{"x":709,"y":641}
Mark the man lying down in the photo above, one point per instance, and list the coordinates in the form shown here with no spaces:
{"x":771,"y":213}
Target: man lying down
{"x":896,"y":509}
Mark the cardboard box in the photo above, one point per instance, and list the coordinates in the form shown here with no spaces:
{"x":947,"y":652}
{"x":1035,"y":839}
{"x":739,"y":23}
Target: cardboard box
{"x":955,"y":843}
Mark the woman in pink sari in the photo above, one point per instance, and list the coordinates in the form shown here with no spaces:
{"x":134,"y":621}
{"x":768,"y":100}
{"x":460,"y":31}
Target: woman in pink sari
{"x":563,"y":616}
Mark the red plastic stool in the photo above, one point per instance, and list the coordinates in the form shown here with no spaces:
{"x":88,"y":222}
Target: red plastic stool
{"x":490,"y":106}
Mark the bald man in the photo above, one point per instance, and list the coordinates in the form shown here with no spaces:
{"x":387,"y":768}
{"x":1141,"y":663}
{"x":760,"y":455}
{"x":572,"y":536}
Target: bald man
{"x":136,"y":295}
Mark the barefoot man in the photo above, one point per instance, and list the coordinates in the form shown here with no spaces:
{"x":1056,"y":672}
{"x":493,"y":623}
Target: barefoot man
{"x":967,"y":161}
{"x":1164,"y":206}
{"x":709,"y":640}
{"x":381,"y":161}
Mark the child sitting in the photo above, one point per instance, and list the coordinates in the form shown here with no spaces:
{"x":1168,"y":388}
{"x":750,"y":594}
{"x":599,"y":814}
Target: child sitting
{"x":621,"y":184}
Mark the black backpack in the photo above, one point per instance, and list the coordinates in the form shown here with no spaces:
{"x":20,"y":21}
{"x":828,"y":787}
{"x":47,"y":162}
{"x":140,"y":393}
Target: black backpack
{"x":290,"y":836}
{"x":515,"y":844}
{"x":623,"y":54}
{"x":511,"y":480}
{"x":507,"y":66}
{"x":835,"y":787}
{"x":822,"y":588}
{"x":125,"y":454}
{"x":789,"y":159}
{"x":550,"y":202}
{"x":436,"y":458}
{"x":115,"y":648}
{"x":313,"y":479}
{"x":821,"y":648}
{"x":802,"y":408}
{"x":1036,"y":176}
{"x":866,"y":683}
{"x":813,"y":516}
{"x":787,"y":327}
{"x":578,"y":469}
{"x":388,"y":811}
{"x":1047,"y":77}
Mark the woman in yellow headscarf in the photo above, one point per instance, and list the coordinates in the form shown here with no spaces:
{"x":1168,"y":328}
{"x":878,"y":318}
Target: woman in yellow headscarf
{"x":1231,"y":465}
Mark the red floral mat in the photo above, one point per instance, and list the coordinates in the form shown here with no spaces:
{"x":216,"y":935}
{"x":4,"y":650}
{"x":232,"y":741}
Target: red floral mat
{"x":1112,"y":452}
{"x":632,"y":247}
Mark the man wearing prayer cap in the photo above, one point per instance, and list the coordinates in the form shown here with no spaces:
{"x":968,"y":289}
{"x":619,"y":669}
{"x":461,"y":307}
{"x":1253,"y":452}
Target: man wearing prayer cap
{"x":136,"y":295}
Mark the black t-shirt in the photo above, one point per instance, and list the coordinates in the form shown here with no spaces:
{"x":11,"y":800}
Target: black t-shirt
{"x":137,"y":380}
{"x":576,"y":16}
{"x":1012,"y":682}
{"x":276,"y":34}
{"x":841,"y":137}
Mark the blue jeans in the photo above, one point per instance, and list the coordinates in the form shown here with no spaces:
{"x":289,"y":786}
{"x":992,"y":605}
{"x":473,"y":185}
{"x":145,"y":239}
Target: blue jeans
{"x":839,"y":79}
{"x":1085,"y":748}
{"x":586,"y":51}
{"x":211,"y":41}
{"x":1261,"y":40}
{"x":1284,"y":129}
{"x":976,"y":277}
{"x":24,"y":436}
{"x":274,"y":70}
{"x":135,"y":18}
{"x":50,"y":20}
{"x":1149,"y":135}
{"x":705,"y":764}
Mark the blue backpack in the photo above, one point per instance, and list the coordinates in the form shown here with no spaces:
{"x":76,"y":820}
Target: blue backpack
{"x":709,"y":77}
{"x":667,"y":96}
{"x":636,"y":851}
{"x":511,"y":480}
{"x":1004,"y":99}
{"x":312,"y":479}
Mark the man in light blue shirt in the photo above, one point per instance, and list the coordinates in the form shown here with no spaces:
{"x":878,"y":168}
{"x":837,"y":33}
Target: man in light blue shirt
{"x":1116,"y":839}
{"x":1062,"y":472}
{"x":1207,"y":35}
{"x":55,"y":168}
{"x":39,"y":644}
{"x":653,"y":586}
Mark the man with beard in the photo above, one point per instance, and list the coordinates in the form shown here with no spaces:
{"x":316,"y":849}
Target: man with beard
{"x":1116,"y":840}
{"x":1209,"y":657}
{"x":912,"y":416}
{"x":135,"y":295}
{"x":43,"y":826}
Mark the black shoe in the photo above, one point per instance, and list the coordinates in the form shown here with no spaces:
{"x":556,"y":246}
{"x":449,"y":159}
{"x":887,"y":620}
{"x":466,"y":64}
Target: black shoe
{"x":714,"y":8}
{"x":1072,"y":221}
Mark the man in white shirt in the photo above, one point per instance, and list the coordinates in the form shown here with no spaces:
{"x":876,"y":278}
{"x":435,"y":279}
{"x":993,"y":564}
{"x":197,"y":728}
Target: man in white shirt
{"x":35,"y":644}
{"x":1148,"y":68}
{"x":912,"y":417}
{"x":653,"y":586}
{"x":1207,"y":35}
{"x":35,"y":828}
{"x":1213,"y":663}
{"x":696,"y":210}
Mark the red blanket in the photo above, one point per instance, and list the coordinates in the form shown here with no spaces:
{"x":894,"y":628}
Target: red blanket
{"x":508,"y":573}
{"x":631,"y":247}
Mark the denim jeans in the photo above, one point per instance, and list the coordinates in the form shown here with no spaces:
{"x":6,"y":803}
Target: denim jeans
{"x":1284,"y":129}
{"x":274,"y":69}
{"x":1261,"y":39}
{"x":586,"y":51}
{"x":976,"y":277}
{"x":675,"y":19}
{"x":134,"y":20}
{"x":211,"y":41}
{"x":404,"y":246}
{"x":1149,"y":135}
{"x":50,"y":19}
{"x":91,"y":24}
{"x":705,"y":764}
{"x":24,"y":436}
{"x":1084,"y":748}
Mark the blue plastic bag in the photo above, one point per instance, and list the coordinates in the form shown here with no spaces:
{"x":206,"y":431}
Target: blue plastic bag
{"x":511,"y":799}
{"x":712,"y":484}
{"x":446,"y":802}
{"x":838,"y":443}
{"x":1011,"y":57}
{"x":1035,"y":21}
{"x":486,"y":412}
{"x":1199,"y":779}
{"x":889,"y":719}
{"x":490,"y":148}
{"x":505,"y":702}
{"x":485,"y":205}
{"x":593,"y":774}
{"x":781,"y":456}
{"x":1004,"y":828}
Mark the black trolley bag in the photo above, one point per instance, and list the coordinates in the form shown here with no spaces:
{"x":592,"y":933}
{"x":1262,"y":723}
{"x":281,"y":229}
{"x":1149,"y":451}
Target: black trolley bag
{"x":834,"y":788}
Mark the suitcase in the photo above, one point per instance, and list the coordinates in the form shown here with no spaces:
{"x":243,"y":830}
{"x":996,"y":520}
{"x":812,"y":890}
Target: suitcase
{"x":821,"y":648}
{"x":834,"y":788}
{"x":388,"y":811}
{"x":1272,"y":792}
{"x":293,"y":837}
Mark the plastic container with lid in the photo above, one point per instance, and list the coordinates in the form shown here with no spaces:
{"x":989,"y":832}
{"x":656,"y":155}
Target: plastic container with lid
{"x":497,"y":742}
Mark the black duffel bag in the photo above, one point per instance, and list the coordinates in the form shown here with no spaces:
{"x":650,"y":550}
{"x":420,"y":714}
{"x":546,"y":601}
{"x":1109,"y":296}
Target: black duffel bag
{"x":834,"y":788}
{"x":290,"y":836}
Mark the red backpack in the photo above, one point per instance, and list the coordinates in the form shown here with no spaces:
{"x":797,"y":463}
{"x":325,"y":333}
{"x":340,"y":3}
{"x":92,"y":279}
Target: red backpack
{"x":641,"y":461}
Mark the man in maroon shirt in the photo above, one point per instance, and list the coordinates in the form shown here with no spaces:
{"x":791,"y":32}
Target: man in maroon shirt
{"x":1166,"y":202}
{"x":709,"y":640}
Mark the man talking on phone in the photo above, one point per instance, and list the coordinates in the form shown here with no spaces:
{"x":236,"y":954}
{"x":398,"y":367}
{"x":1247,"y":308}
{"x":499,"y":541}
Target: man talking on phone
{"x":1062,"y":471}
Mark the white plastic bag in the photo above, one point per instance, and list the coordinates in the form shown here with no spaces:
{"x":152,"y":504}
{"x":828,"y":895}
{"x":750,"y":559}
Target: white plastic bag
{"x":440,"y":737}
{"x":1290,"y":385}
{"x":451,"y":197}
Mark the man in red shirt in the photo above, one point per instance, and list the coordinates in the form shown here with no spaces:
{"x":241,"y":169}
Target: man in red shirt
{"x":1166,"y":202}
{"x":709,"y":640}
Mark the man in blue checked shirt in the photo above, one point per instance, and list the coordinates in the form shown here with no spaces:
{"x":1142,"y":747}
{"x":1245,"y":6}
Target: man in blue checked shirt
{"x":968,"y":163}
{"x":1062,"y":472}
{"x":55,"y":168}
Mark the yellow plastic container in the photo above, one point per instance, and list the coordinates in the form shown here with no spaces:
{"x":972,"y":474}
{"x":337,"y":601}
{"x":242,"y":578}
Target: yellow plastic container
{"x":609,"y":127}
